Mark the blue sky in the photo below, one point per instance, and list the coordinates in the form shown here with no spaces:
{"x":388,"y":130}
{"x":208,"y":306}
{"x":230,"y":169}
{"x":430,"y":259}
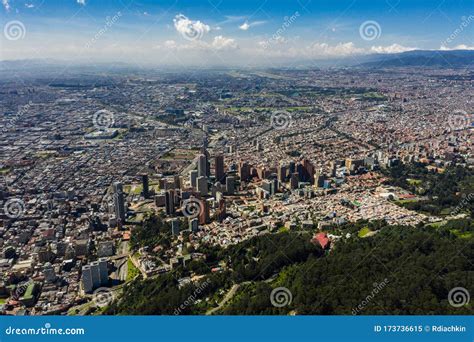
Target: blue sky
{"x":229,"y":31}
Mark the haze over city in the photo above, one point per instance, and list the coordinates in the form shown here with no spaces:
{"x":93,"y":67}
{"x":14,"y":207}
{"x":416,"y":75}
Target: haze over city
{"x":229,"y":33}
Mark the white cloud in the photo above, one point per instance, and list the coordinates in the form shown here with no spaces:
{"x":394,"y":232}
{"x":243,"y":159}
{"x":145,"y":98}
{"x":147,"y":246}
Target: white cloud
{"x":458,"y":47}
{"x":221,"y":43}
{"x":273,"y":42}
{"x":6,"y":5}
{"x":81,"y":2}
{"x":283,"y":48}
{"x":218,"y":43}
{"x":394,"y":48}
{"x":340,"y":49}
{"x":463,"y":47}
{"x":245,"y":26}
{"x":29,"y":5}
{"x":190,"y":29}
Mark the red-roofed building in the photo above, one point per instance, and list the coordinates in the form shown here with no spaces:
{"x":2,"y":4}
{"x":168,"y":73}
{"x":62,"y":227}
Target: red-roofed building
{"x":322,"y":239}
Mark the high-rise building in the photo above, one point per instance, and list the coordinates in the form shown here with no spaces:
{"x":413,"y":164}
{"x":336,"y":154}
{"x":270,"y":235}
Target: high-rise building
{"x":193,"y":225}
{"x":204,"y":215}
{"x":333,"y":168}
{"x":103,"y":271}
{"x":175,"y":227}
{"x":169,"y":202}
{"x":348,"y":163}
{"x":193,"y":175}
{"x":202,"y":187}
{"x":160,"y":200}
{"x":244,"y":171}
{"x":221,"y":210}
{"x":219,"y":168}
{"x":353,"y":164}
{"x":270,"y":186}
{"x":207,"y":156}
{"x":87,"y":283}
{"x":261,"y":171}
{"x":309,"y":170}
{"x":119,"y":203}
{"x":95,"y":274}
{"x":282,"y":173}
{"x":305,"y":171}
{"x":230,"y":185}
{"x":267,"y":186}
{"x":202,"y":166}
{"x":294,"y":181}
{"x":274,"y":186}
{"x":177,"y":181}
{"x":319,"y":178}
{"x":301,"y":172}
{"x":145,"y":192}
{"x":292,"y":168}
{"x":49,"y":273}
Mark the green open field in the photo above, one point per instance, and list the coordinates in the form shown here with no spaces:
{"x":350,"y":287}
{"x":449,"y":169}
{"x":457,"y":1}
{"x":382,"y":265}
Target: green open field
{"x":405,"y":201}
{"x":466,"y":235}
{"x":414,"y":181}
{"x":132,"y":271}
{"x":363,"y":232}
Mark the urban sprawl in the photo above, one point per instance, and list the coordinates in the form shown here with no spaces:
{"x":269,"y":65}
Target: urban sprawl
{"x":222,"y":156}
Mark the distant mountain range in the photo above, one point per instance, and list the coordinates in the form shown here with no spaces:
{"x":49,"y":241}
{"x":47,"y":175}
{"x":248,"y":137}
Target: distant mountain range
{"x":415,"y":58}
{"x":422,"y":58}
